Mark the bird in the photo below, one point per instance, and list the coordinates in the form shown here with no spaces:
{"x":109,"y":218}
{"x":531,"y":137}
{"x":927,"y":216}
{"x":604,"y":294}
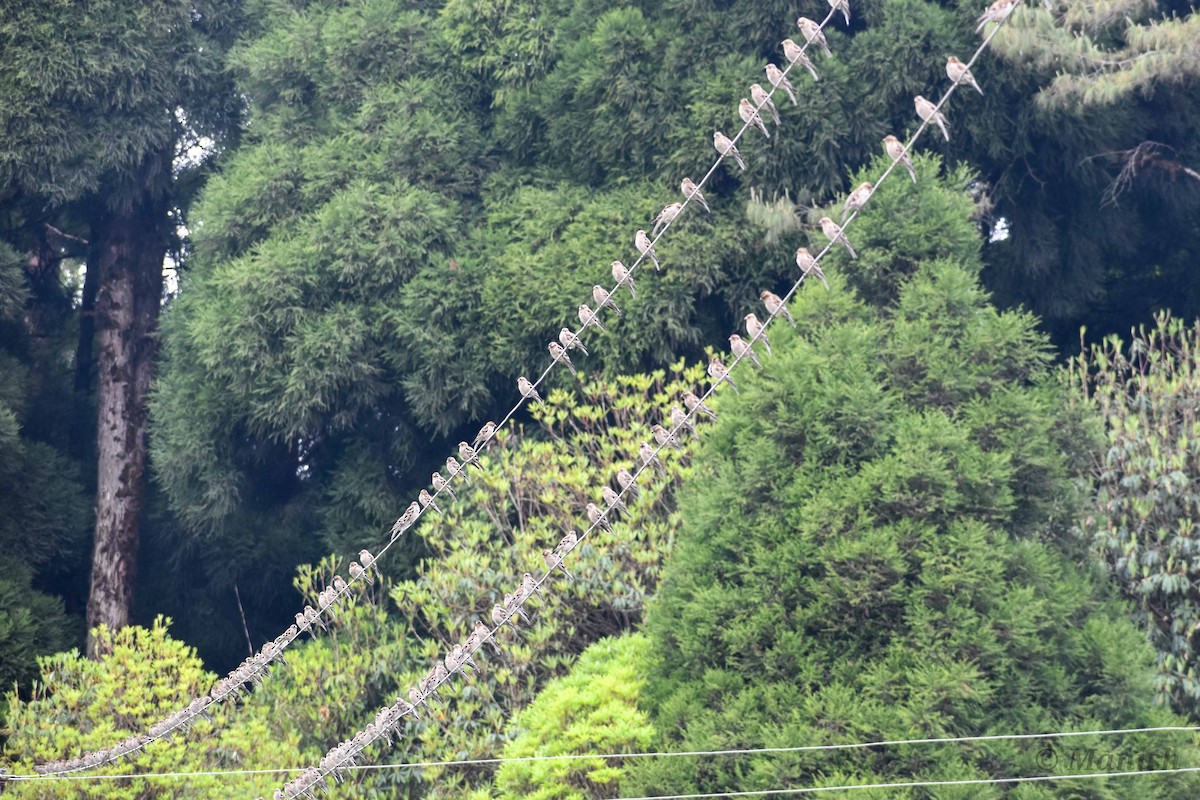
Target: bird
{"x":559,"y":353}
{"x":467,"y":454}
{"x":528,"y":587}
{"x":440,"y":484}
{"x":896,"y":152}
{"x":763,"y":100}
{"x":588,"y":317}
{"x":749,"y":116}
{"x":512,"y":604}
{"x":843,"y":6}
{"x":812,"y":33}
{"x":692,"y":192}
{"x":554,"y":561}
{"x":756,"y":329}
{"x":795,"y":54}
{"x":775,"y":305}
{"x":612,"y":499}
{"x":959,"y":73}
{"x":597,"y":517}
{"x":664,"y":437}
{"x":603,"y":299}
{"x":996,"y":12}
{"x":567,"y":543}
{"x":623,"y":276}
{"x":406,"y":520}
{"x":834,"y":232}
{"x":499,"y":615}
{"x":681,"y":421}
{"x":366,"y":559}
{"x":571,"y":341}
{"x":485,"y":434}
{"x":719,"y":372}
{"x":666,"y":216}
{"x":742,"y":349}
{"x":725,"y":147}
{"x":482,"y":634}
{"x":694,"y":404}
{"x":650,"y":457}
{"x":427,"y":501}
{"x":357,"y":573}
{"x":453,"y":467}
{"x":646,"y":247}
{"x":627,"y":482}
{"x":857,"y":199}
{"x":808,"y":265}
{"x":528,"y":390}
{"x":928,"y":112}
{"x":778,"y":80}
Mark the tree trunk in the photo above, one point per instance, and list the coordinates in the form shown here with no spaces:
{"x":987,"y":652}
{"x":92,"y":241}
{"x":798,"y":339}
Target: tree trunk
{"x":131,"y":244}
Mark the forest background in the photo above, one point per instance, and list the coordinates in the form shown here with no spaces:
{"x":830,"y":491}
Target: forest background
{"x":375,"y":215}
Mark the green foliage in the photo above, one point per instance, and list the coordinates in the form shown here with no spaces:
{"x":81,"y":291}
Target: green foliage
{"x":1146,"y":394}
{"x":592,"y":709}
{"x":80,"y":705}
{"x":877,"y":544}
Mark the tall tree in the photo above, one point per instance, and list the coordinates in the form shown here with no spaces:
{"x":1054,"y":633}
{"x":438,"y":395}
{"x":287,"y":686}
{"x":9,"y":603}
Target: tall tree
{"x":97,"y":103}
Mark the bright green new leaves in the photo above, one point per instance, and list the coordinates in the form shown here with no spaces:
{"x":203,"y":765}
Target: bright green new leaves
{"x":1146,"y":392}
{"x":592,"y":709}
{"x":82,"y":705}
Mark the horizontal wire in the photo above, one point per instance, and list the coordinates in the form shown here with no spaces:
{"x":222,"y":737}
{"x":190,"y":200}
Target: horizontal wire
{"x":464,"y":762}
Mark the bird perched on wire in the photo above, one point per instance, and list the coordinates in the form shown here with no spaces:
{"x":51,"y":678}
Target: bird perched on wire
{"x":528,"y":587}
{"x":666,"y":216}
{"x":778,"y":80}
{"x":896,"y":152}
{"x":808,"y":266}
{"x":775,"y":305}
{"x":719,"y":372}
{"x":366,"y":559}
{"x":440,"y":484}
{"x":624,"y":277}
{"x":597,"y":517}
{"x":612,"y":499}
{"x":795,"y":54}
{"x":567,"y":543}
{"x":692,"y":192}
{"x":559,"y":353}
{"x":833,"y":232}
{"x":928,"y":112}
{"x":468,"y":454}
{"x":570,"y":341}
{"x":512,"y":605}
{"x":603,"y":299}
{"x":587,"y":317}
{"x":427,"y":501}
{"x":725,"y":147}
{"x":812,"y":33}
{"x":648,"y":456}
{"x":996,"y":12}
{"x":763,"y":100}
{"x":357,"y":573}
{"x":751,"y":117}
{"x":664,"y":437}
{"x":644,"y":246}
{"x":499,"y":615}
{"x":843,"y":6}
{"x":480,"y":634}
{"x":958,"y":73}
{"x":695,"y":405}
{"x":453,"y":467}
{"x":627,"y":483}
{"x":554,"y":561}
{"x":406,"y":520}
{"x":756,"y":329}
{"x":857,"y":198}
{"x":484,"y":435}
{"x":742,"y":349}
{"x":681,"y":421}
{"x":528,"y":391}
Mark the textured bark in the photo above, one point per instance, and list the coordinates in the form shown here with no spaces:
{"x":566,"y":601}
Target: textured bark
{"x":130,"y":245}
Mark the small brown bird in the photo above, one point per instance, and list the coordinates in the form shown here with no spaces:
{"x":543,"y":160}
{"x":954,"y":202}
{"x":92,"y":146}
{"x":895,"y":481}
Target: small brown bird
{"x":775,"y":305}
{"x":896,"y":152}
{"x":664,"y":437}
{"x":756,"y":330}
{"x":406,"y":520}
{"x":440,"y":484}
{"x":559,"y":353}
{"x":570,"y":341}
{"x":427,"y":501}
{"x":646,"y":247}
{"x":959,"y":73}
{"x":650,"y":457}
{"x":627,"y":483}
{"x":928,"y":112}
{"x":366,"y":559}
{"x":808,"y":266}
{"x":695,"y":405}
{"x":567,"y":543}
{"x":751,"y":117}
{"x":624,"y":277}
{"x":724,"y":146}
{"x":467,"y":454}
{"x":666,"y":216}
{"x":742,"y":349}
{"x":603,"y":299}
{"x":597,"y":517}
{"x":554,"y":561}
{"x":681,"y":421}
{"x":857,"y":199}
{"x":612,"y":499}
{"x":588,"y":318}
{"x":843,"y":6}
{"x":453,"y":467}
{"x":763,"y":100}
{"x":485,"y":434}
{"x":777,"y":79}
{"x":692,"y":192}
{"x":833,"y":232}
{"x":996,"y":12}
{"x":719,"y":372}
{"x":812,"y":33}
{"x":528,"y":390}
{"x":795,"y":54}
